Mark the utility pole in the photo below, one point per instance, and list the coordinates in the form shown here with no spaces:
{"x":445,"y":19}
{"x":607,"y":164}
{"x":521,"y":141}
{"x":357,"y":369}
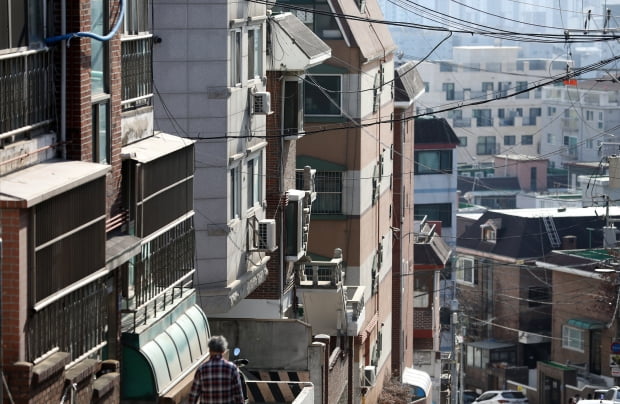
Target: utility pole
{"x":454,"y":307}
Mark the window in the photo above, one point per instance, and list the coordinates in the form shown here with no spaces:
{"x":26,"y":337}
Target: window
{"x":531,"y":119}
{"x":572,"y":338}
{"x":328,"y":186}
{"x":489,"y":234}
{"x":433,"y":162}
{"x":494,"y":66}
{"x":376,"y":90}
{"x":255,"y":51}
{"x":98,"y":59}
{"x":465,"y":270}
{"x":292,"y":112}
{"x":527,"y":139}
{"x":510,"y":140}
{"x":463,"y":141}
{"x":446,"y":67}
{"x":538,"y":65}
{"x":589,"y":115}
{"x":322,"y":23}
{"x":448,"y":88}
{"x":487,"y":86}
{"x":434,"y":211}
{"x":486,"y":145}
{"x":522,"y":86}
{"x":322,"y":95}
{"x":483,"y":117}
{"x":551,"y":111}
{"x":503,"y":87}
{"x":420,"y":297}
{"x":20,"y":24}
{"x":101,"y":133}
{"x":137,"y":17}
{"x":538,"y":295}
{"x":235,"y":57}
{"x":255,"y":180}
{"x":234,"y":184}
{"x":550,"y":138}
{"x":426,"y":87}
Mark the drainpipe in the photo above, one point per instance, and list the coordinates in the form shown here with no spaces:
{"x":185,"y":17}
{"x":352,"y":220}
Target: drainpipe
{"x":63,"y":80}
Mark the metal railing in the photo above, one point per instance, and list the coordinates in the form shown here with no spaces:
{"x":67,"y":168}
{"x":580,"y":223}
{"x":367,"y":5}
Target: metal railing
{"x":26,"y":91}
{"x":137,"y":71}
{"x":77,"y":323}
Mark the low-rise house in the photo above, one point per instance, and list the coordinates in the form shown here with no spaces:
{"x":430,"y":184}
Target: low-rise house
{"x":502,"y":298}
{"x":584,"y":310}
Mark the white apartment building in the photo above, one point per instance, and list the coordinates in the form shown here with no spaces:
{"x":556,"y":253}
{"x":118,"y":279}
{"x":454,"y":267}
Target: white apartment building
{"x":487,"y":75}
{"x":581,"y":122}
{"x":209,"y":68}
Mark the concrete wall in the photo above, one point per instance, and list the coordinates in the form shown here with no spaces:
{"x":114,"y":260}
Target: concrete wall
{"x":267,"y":344}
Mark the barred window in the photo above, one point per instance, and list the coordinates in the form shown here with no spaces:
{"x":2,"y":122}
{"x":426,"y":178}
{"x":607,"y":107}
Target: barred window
{"x":328,"y":193}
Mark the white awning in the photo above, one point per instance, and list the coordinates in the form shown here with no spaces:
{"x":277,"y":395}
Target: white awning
{"x":154,"y":147}
{"x":419,"y":380}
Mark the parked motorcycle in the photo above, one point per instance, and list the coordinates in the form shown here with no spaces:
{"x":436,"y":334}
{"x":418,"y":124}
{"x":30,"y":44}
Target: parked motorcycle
{"x":240,"y":363}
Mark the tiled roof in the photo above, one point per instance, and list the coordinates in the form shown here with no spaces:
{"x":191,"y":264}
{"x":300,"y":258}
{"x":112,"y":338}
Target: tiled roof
{"x":524,"y":235}
{"x":434,"y":130}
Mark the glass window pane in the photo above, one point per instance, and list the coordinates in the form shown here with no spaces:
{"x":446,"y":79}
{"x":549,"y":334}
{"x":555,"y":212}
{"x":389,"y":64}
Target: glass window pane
{"x":97,"y":63}
{"x":102,"y":134}
{"x":322,"y":95}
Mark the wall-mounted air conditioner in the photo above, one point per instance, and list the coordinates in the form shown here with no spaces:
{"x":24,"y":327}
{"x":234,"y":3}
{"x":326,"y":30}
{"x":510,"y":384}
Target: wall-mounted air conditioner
{"x":369,"y":376}
{"x":261,"y":102}
{"x":265,"y":236}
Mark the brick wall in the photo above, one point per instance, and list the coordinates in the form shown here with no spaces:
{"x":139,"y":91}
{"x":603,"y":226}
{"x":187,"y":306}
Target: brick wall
{"x":14,"y":253}
{"x":280,"y":167}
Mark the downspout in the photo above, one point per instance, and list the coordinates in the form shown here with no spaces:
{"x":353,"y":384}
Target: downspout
{"x":63,"y":81}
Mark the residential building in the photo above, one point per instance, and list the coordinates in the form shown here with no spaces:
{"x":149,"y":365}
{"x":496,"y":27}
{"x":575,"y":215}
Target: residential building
{"x":408,"y":87}
{"x":209,"y":68}
{"x":346,"y":98}
{"x":503,"y":299}
{"x":580,"y":121}
{"x":96,"y":217}
{"x":509,"y":125}
{"x":435,"y":174}
{"x":584,"y":324}
{"x":435,"y":209}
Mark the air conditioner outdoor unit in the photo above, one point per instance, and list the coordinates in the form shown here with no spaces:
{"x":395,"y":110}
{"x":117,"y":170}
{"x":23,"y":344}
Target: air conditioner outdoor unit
{"x":266,"y":235}
{"x":262,"y":102}
{"x":370,"y":376}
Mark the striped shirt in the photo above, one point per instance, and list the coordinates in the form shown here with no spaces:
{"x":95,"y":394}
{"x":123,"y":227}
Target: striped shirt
{"x":216,"y":382}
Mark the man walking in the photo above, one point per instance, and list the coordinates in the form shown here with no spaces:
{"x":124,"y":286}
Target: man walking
{"x":217,"y":381}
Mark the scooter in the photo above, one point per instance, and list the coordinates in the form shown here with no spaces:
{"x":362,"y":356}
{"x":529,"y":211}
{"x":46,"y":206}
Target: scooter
{"x":240,"y":363}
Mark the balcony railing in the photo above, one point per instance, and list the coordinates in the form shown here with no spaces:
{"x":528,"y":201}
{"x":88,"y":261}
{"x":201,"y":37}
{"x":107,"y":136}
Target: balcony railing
{"x":137,"y":71}
{"x":77,"y":323}
{"x":322,"y":273}
{"x":163,"y":272}
{"x":26,"y":92}
{"x":461,"y":122}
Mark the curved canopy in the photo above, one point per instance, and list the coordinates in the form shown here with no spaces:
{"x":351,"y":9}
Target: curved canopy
{"x":419,"y":380}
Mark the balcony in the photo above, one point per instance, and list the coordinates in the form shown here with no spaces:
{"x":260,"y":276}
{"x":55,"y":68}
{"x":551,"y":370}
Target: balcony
{"x":137,"y":72}
{"x":27,"y":97}
{"x":329,"y":306}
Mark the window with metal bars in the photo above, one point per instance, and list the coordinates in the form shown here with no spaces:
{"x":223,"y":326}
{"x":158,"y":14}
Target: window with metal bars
{"x":328,"y":193}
